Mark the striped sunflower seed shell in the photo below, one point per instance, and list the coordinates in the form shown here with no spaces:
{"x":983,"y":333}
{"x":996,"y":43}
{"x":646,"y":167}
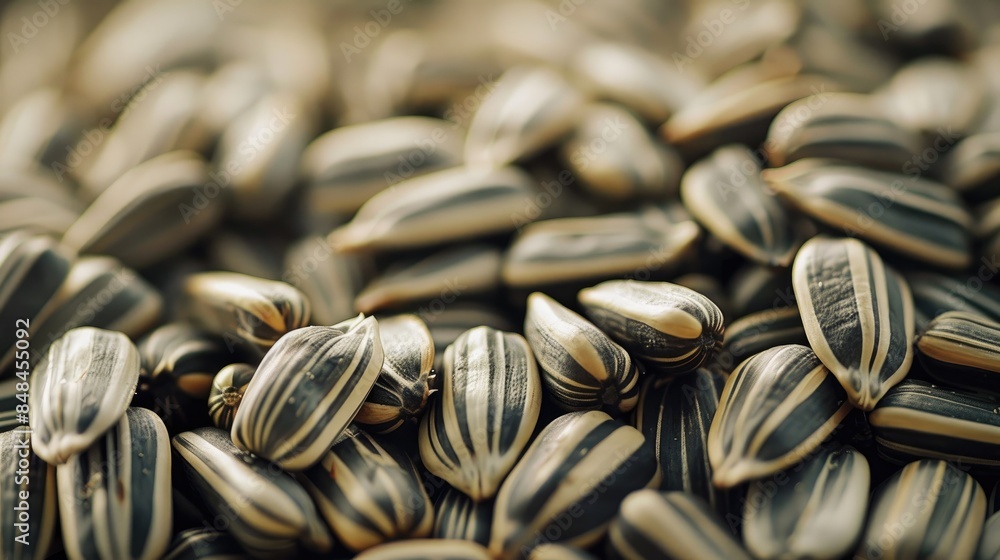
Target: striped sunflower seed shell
{"x":448,"y":322}
{"x":80,"y":390}
{"x":114,"y":498}
{"x":962,"y":349}
{"x":401,"y":390}
{"x":580,"y":249}
{"x":228,"y":388}
{"x":10,"y":397}
{"x":489,"y":401}
{"x":674,"y":414}
{"x":930,"y":509}
{"x":582,"y":368}
{"x":457,"y":516}
{"x":307,"y":389}
{"x":426,"y":549}
{"x":725,"y":193}
{"x":473,"y":202}
{"x":243,"y":309}
{"x":32,"y":268}
{"x":267,"y":511}
{"x":529,"y":109}
{"x":756,"y":287}
{"x":917,"y":419}
{"x":559,"y":552}
{"x":329,"y":279}
{"x":26,"y":525}
{"x":676,"y":525}
{"x":858,"y":315}
{"x":761,"y":331}
{"x":367,"y":495}
{"x":776,"y":407}
{"x":972,"y":166}
{"x":881,"y":208}
{"x":935,"y":294}
{"x":582,"y":462}
{"x":818,"y":510}
{"x":670,"y":328}
{"x":989,"y":543}
{"x":203,"y":543}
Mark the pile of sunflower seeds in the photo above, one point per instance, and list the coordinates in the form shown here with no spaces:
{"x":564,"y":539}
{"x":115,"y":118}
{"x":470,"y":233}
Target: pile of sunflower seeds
{"x":545,"y":279}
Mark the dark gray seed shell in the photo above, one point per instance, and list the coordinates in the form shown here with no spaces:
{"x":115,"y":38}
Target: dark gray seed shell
{"x":80,"y":390}
{"x":881,"y":208}
{"x":266,"y":510}
{"x":228,"y":388}
{"x":934,"y":294}
{"x":489,"y":398}
{"x":676,"y":525}
{"x":457,"y":516}
{"x":329,"y":279}
{"x":928,"y":510}
{"x":582,"y":368}
{"x":204,"y":543}
{"x":756,"y":287}
{"x":762,"y":330}
{"x":818,"y":510}
{"x":426,"y":549}
{"x":775,"y":409}
{"x":917,"y":419}
{"x":582,"y":462}
{"x":114,"y":498}
{"x":858,"y":315}
{"x":962,"y":349}
{"x":23,"y":472}
{"x":307,"y":389}
{"x":670,"y":328}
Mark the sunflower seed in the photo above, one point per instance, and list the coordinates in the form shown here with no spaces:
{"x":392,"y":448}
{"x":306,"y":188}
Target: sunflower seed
{"x":935,"y":294}
{"x":972,"y":167}
{"x":79,"y":390}
{"x":206,"y":544}
{"x":401,"y":390}
{"x":582,"y":368}
{"x":32,"y":268}
{"x":457,"y":516}
{"x":754,"y":224}
{"x":558,"y":552}
{"x":307,"y":389}
{"x":756,"y":287}
{"x":763,"y":330}
{"x":35,"y":129}
{"x":366,"y":495}
{"x":670,"y":328}
{"x":916,"y":419}
{"x":962,"y":349}
{"x":880,"y":207}
{"x":329,"y":279}
{"x":467,"y":270}
{"x":228,"y":388}
{"x":933,"y":94}
{"x":426,"y":549}
{"x":29,"y":486}
{"x":652,"y":524}
{"x":448,"y":322}
{"x":244,"y":310}
{"x":579,"y":249}
{"x":580,"y":466}
{"x":8,"y":403}
{"x":246,"y":251}
{"x":989,"y":544}
{"x":776,"y":407}
{"x":148,"y":214}
{"x":858,"y":315}
{"x":472,"y":202}
{"x":35,"y":202}
{"x":229,"y":92}
{"x":114,"y":498}
{"x":817,"y":512}
{"x":529,"y":109}
{"x":708,"y":286}
{"x":930,"y":509}
{"x":346,"y":166}
{"x":489,"y":400}
{"x":266,"y":510}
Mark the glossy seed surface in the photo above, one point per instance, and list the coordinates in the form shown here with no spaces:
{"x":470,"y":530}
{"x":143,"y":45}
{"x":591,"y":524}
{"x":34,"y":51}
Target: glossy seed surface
{"x":962,"y":349}
{"x":21,"y":470}
{"x":228,"y":387}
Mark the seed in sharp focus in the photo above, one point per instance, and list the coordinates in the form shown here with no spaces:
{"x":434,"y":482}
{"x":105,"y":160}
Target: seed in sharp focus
{"x":529,"y":109}
{"x":582,"y":368}
{"x":934,"y":294}
{"x":653,"y":524}
{"x":368,"y":494}
{"x":962,"y":349}
{"x":228,"y":388}
{"x":857,"y":313}
{"x":583,"y":462}
{"x":725,"y":193}
{"x":559,"y":552}
{"x":670,"y":328}
{"x":817,"y":512}
{"x":22,"y":472}
{"x":276,"y":513}
{"x":401,"y":390}
{"x":426,"y":549}
{"x":469,"y":202}
{"x":776,"y":407}
{"x":930,"y":509}
{"x":243,"y":309}
{"x":916,"y":419}
{"x":307,"y":389}
{"x":581,"y":249}
{"x":762,"y":330}
{"x":329,"y":279}
{"x":125,"y":477}
{"x":856,"y":200}
{"x":489,"y":399}
{"x":457,"y":516}
{"x":79,"y":390}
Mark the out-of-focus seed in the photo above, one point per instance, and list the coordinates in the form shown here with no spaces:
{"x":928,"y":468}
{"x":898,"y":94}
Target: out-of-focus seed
{"x":935,"y":294}
{"x":559,"y":552}
{"x":935,"y":96}
{"x":763,"y":330}
{"x":329,"y":279}
{"x":972,"y":166}
{"x":22,"y":472}
{"x":228,"y":388}
{"x":962,"y":349}
{"x":989,"y":543}
{"x":34,"y":202}
{"x":448,"y":322}
{"x":426,"y":549}
{"x":204,"y":543}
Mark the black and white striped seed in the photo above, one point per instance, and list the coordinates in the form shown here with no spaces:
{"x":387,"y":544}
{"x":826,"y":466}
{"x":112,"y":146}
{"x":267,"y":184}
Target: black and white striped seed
{"x":962,"y":349}
{"x":28,"y":509}
{"x":457,"y":516}
{"x":228,"y":387}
